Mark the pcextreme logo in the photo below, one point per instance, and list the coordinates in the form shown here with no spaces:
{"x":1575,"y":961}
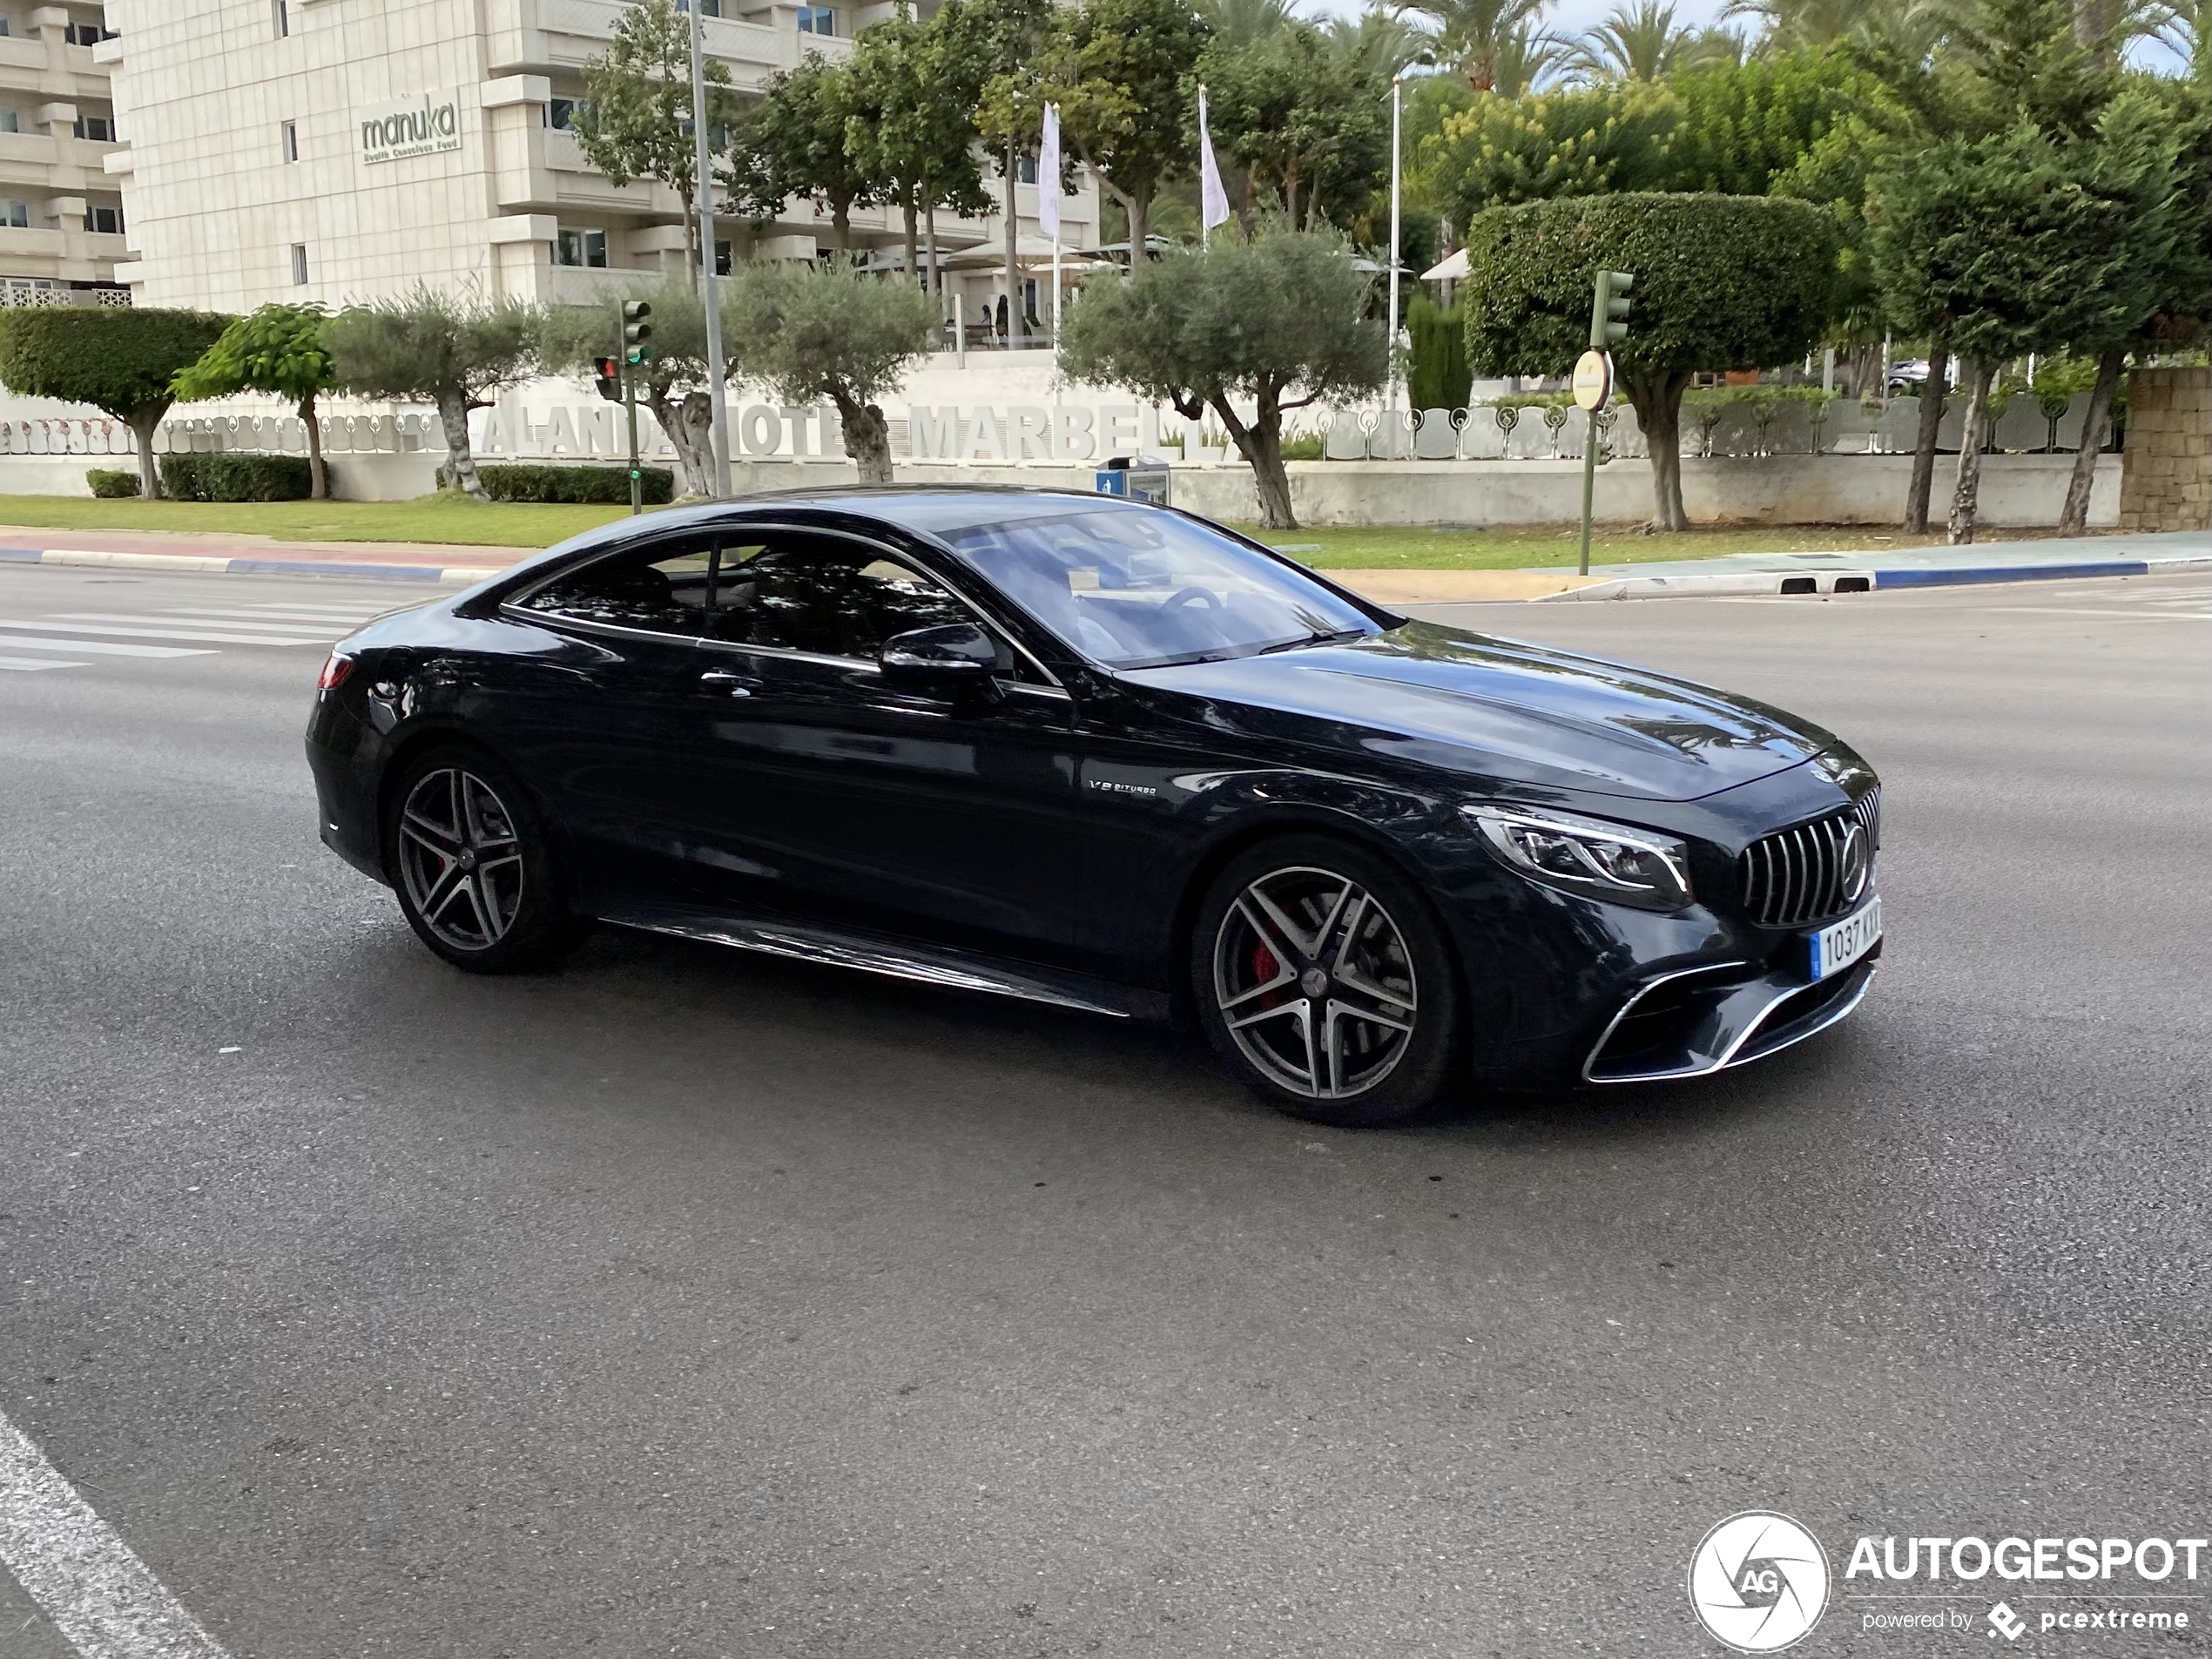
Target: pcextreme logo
{"x":1759,"y":1583}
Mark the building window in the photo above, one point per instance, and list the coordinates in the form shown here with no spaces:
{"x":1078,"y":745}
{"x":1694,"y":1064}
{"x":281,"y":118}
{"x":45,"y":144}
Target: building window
{"x":10,"y":120}
{"x":98,"y":128}
{"x":281,"y":14}
{"x":290,"y":131}
{"x":16,"y":214}
{"x":104,"y":221}
{"x":721,"y":258}
{"x":817,"y":20}
{"x":581,"y":248}
{"x":564,"y":112}
{"x":77,"y":33}
{"x":707,"y":7}
{"x":1026,"y":170}
{"x":298,"y":265}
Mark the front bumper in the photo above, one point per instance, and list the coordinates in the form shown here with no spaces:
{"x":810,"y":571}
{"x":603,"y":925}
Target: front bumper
{"x":1698,"y":1021}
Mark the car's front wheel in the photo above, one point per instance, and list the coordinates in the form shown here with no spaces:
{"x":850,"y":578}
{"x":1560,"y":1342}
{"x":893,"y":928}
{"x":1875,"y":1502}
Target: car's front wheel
{"x":1323,"y":980}
{"x":473,"y":867}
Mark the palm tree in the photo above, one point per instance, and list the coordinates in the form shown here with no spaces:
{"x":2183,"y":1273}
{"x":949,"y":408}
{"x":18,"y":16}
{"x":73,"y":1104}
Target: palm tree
{"x":1471,"y":35}
{"x":1527,"y":58}
{"x":1380,"y":42}
{"x":1238,"y":23}
{"x":1642,"y":44}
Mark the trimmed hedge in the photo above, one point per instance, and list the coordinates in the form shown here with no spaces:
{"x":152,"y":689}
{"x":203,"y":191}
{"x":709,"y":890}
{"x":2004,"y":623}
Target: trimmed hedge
{"x":235,"y":477}
{"x":576,"y":485}
{"x":110,"y":485}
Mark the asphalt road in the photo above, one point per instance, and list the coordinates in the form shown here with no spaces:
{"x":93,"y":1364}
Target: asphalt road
{"x":691,"y":1304}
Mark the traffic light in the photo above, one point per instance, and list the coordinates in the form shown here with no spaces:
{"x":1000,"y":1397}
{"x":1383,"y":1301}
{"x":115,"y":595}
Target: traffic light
{"x":1609,"y":308}
{"x":636,"y":331}
{"x":608,"y":372}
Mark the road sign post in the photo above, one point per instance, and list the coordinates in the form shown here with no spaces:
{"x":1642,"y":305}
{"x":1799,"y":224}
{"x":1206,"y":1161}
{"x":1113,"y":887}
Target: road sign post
{"x":1594,"y":380}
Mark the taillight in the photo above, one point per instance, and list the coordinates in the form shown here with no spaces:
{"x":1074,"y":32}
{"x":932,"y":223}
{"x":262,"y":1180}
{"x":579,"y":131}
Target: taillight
{"x":334,"y":671}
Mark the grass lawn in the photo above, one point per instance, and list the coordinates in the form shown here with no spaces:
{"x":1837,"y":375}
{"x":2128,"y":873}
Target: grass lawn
{"x":427,"y":519}
{"x":1521,"y":548}
{"x":456,"y":519}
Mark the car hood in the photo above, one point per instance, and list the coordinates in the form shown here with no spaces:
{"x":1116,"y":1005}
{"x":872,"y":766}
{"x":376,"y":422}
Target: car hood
{"x":1501,"y":709}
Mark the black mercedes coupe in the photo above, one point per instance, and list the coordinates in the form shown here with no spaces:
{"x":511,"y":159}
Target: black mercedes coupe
{"x":1117,"y":758}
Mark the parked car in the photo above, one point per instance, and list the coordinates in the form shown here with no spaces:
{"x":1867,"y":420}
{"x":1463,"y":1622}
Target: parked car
{"x":1113,"y":757}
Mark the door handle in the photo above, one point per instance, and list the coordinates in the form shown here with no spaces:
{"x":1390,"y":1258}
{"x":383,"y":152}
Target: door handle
{"x":722,"y":679}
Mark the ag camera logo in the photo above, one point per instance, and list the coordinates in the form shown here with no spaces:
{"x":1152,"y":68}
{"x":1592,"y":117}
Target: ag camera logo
{"x":1759,"y":1583}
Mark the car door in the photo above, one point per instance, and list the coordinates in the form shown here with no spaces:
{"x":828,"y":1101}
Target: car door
{"x":822,"y":789}
{"x":596,"y":720}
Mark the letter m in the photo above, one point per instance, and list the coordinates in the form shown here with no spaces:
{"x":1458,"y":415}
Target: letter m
{"x":931,"y":432}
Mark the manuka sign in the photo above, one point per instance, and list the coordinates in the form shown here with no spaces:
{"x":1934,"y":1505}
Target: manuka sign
{"x":428,"y":127}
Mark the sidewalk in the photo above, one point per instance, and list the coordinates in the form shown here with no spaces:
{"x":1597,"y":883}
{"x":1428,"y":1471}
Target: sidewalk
{"x":197,"y":550}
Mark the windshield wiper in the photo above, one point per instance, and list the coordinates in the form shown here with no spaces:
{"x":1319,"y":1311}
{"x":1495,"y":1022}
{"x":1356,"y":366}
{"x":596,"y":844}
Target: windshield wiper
{"x":1336,"y":638}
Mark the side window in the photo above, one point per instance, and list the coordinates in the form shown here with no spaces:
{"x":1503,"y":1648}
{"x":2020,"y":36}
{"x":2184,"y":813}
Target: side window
{"x":663,"y":587}
{"x":825,"y":595}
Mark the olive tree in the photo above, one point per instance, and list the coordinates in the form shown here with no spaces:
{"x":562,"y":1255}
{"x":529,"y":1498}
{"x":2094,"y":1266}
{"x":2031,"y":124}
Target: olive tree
{"x":1275,"y":323}
{"x":1721,"y":282}
{"x":673,"y":387}
{"x":278,"y":349}
{"x":827,"y":331}
{"x":440,"y":348}
{"x":121,"y":359}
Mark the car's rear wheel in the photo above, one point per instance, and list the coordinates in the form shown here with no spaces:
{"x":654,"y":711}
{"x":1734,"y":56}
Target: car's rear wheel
{"x":473,"y":867}
{"x":1324,"y":982}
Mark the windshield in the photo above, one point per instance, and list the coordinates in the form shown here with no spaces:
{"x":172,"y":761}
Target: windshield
{"x":1132,"y":588}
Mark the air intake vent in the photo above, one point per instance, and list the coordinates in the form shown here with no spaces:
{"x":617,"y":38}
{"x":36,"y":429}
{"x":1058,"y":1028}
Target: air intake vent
{"x":1815,"y":870}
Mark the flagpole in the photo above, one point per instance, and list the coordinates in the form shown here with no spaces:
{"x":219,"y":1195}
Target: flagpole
{"x":1390,"y":406}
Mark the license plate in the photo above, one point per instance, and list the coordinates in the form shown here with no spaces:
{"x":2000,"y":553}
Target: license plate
{"x":1836,"y":948}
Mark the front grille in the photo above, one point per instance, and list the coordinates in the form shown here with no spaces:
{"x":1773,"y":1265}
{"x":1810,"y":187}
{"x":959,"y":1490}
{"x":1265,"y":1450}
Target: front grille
{"x":1795,"y":876}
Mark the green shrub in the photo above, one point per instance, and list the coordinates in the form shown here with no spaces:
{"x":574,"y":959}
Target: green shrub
{"x":576,"y":485}
{"x":1438,"y":376}
{"x":235,"y":477}
{"x":110,"y":485}
{"x":1306,"y":446}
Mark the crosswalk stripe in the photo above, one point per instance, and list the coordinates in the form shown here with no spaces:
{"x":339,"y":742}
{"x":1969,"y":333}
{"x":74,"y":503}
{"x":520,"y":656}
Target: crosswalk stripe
{"x":344,"y":612}
{"x":266,"y":626}
{"x":233,"y":639}
{"x":26,"y":664}
{"x":103,"y":647}
{"x":302,"y":618}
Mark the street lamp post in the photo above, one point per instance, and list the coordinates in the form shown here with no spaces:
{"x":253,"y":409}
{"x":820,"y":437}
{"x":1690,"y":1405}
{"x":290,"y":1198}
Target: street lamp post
{"x":715,"y":368}
{"x":1397,"y":126}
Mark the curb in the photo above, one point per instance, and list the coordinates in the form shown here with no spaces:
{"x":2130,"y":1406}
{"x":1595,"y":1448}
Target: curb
{"x":190,"y":562}
{"x":1724,"y":584}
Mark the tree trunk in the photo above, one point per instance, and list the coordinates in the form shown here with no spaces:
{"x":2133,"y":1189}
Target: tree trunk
{"x":913,"y":249}
{"x":1015,"y":329}
{"x":691,"y":239}
{"x":1967,"y":495}
{"x":1261,"y":444}
{"x":317,"y":476}
{"x":841,"y":224}
{"x":460,"y":465}
{"x":868,"y":437}
{"x":936,"y":279}
{"x":1140,"y":228}
{"x":2074,"y":517}
{"x":1657,"y":398}
{"x":1924,"y":442}
{"x":142,"y":422}
{"x":687,"y":424}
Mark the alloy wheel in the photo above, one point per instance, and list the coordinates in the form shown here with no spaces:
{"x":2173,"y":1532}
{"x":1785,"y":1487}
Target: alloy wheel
{"x":1314,"y":983}
{"x":461,"y":859}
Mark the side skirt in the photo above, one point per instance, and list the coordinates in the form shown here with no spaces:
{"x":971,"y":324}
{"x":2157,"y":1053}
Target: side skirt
{"x":913,"y":960}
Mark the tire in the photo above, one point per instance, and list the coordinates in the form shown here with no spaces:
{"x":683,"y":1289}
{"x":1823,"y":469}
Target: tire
{"x":475,"y":866}
{"x":1324,"y":982}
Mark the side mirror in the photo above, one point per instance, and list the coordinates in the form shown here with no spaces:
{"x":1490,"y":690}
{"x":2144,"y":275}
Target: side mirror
{"x":954,"y":660}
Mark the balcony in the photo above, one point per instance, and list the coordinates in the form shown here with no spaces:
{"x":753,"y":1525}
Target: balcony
{"x":538,"y":35}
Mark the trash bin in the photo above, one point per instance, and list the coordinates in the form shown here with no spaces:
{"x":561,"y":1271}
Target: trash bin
{"x":1143,"y":478}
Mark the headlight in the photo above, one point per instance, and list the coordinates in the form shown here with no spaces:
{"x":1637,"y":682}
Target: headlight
{"x":1587,"y":855}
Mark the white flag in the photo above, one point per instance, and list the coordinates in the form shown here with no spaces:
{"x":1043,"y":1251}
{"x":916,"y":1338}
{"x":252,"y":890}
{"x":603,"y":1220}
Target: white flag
{"x":1213,"y":207}
{"x":1049,"y":173}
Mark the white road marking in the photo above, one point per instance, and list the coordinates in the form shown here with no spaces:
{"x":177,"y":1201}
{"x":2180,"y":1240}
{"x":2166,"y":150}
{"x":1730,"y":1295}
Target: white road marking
{"x":103,"y":647}
{"x":99,"y":1595}
{"x":233,"y":639}
{"x":273,"y":617}
{"x":25,"y":664}
{"x":288,"y":627}
{"x":343,"y":612}
{"x":2115,"y":616}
